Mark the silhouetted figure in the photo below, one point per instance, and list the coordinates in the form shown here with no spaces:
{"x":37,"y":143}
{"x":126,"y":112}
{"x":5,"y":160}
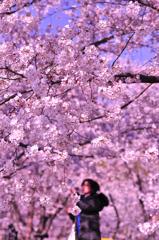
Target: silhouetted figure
{"x":91,"y":202}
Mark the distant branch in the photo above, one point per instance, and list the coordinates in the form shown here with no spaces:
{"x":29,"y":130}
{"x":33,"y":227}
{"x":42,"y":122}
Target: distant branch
{"x":16,"y":8}
{"x":18,"y":215}
{"x":9,"y":176}
{"x":137,"y":183}
{"x":46,"y":221}
{"x":98,"y":42}
{"x":117,"y":216}
{"x":147,"y":4}
{"x":81,"y":156}
{"x":102,"y":41}
{"x":13,"y":96}
{"x":123,"y":49}
{"x":140,"y":128}
{"x":111,"y":3}
{"x":8,"y":69}
{"x":30,"y":216}
{"x":135,"y":98}
{"x":141,"y":78}
{"x":92,"y":119}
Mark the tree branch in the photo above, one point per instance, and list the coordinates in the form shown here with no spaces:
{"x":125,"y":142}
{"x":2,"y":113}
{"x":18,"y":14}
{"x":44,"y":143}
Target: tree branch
{"x":139,"y":128}
{"x":131,"y":101}
{"x":138,"y":183}
{"x":98,"y":42}
{"x":30,"y":216}
{"x":17,"y":212}
{"x":146,"y":4}
{"x":46,"y":222}
{"x":123,"y":49}
{"x":117,"y":216}
{"x":81,"y":156}
{"x":18,"y":9}
{"x":12,"y":71}
{"x":92,"y":119}
{"x":13,"y":96}
{"x":139,"y":78}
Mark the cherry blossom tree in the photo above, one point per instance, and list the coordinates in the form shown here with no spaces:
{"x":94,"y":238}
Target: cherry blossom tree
{"x":79,"y":101}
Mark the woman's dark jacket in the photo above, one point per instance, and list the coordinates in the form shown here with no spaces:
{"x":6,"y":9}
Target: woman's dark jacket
{"x":89,"y":216}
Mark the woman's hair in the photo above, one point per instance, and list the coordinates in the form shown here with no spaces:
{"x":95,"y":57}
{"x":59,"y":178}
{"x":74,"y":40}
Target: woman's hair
{"x":94,"y":188}
{"x":93,"y":184}
{"x":103,"y":199}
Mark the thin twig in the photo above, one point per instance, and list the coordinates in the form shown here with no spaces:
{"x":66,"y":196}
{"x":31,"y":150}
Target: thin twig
{"x":123,"y":49}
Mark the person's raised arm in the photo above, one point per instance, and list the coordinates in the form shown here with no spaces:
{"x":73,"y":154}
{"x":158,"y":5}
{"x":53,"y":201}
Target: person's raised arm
{"x":72,"y":217}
